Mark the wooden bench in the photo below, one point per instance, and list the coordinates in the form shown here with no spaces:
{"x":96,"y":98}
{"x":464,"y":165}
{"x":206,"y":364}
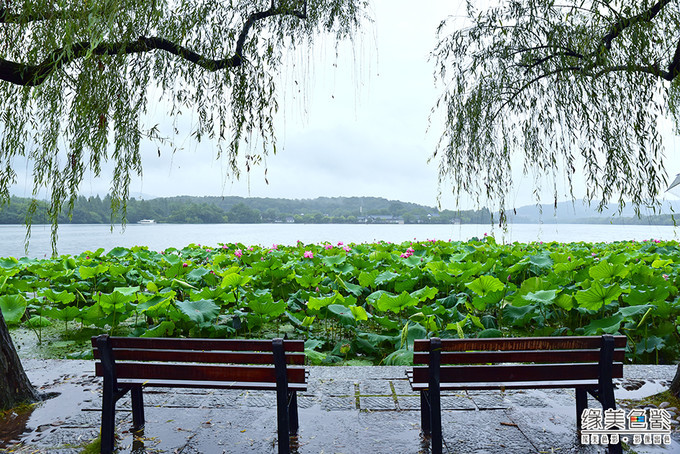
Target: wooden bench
{"x":586,"y":364}
{"x":129,"y":364}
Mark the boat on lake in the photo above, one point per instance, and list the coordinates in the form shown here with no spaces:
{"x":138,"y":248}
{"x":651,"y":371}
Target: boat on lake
{"x":146,"y":221}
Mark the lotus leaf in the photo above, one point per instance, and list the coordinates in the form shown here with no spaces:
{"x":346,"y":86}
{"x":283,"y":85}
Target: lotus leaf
{"x":605,"y":270}
{"x":13,"y":308}
{"x":201,"y":311}
{"x":598,"y":296}
{"x":485,"y":284}
{"x":401,"y":357}
{"x":395,"y":303}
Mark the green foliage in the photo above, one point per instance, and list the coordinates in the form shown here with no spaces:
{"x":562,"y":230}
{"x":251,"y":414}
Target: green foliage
{"x":208,"y":210}
{"x":81,"y":80}
{"x":13,"y":308}
{"x":571,"y":89}
{"x":366,"y":303}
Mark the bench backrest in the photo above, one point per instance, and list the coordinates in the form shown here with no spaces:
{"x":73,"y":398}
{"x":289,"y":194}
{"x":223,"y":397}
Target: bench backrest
{"x":200,"y":359}
{"x":520,"y":359}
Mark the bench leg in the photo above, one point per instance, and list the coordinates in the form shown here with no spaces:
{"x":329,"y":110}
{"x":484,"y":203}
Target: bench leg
{"x":137,"y":408}
{"x":108,"y":421}
{"x":293,"y":413}
{"x":436,"y":422}
{"x":283,"y":423}
{"x":609,"y":402}
{"x":425,"y":413}
{"x":581,"y":404}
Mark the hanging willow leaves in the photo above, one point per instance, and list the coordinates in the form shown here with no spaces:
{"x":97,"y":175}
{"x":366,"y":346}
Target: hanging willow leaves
{"x":77,"y":80}
{"x":559,"y":88}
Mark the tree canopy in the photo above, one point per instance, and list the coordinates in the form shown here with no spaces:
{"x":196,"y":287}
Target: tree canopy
{"x":565,"y":84}
{"x":77,"y":78}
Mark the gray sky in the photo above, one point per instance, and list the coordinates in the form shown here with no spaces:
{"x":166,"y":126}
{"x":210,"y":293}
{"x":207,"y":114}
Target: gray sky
{"x":358,"y":128}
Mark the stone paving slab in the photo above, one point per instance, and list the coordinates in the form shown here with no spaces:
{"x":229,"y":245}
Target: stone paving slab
{"x":345,"y":410}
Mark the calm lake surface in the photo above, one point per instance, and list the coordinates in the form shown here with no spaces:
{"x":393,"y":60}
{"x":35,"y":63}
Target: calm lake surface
{"x":74,"y":239}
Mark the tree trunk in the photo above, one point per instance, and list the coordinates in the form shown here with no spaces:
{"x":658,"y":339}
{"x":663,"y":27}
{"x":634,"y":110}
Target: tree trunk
{"x":15,"y":388}
{"x":675,"y":384}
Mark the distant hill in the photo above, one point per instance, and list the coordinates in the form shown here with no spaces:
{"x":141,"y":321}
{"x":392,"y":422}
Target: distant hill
{"x":189,"y":209}
{"x":580,"y":212}
{"x":339,"y":210}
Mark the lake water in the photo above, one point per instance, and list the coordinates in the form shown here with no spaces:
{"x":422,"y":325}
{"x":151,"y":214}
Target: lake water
{"x":74,"y":239}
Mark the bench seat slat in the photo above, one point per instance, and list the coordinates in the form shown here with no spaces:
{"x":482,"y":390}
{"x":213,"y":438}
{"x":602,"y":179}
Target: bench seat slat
{"x":479,"y":386}
{"x":519,"y":356}
{"x":134,"y":354}
{"x":202,"y":344}
{"x":234,"y":373}
{"x":520,"y":343}
{"x":518,"y":372}
{"x":161,"y":383}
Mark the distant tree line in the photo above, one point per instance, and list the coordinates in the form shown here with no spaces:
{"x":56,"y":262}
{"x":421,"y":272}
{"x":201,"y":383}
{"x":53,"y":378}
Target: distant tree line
{"x":240,"y":210}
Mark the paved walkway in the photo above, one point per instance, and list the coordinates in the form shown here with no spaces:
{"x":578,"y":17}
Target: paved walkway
{"x":346,"y":410}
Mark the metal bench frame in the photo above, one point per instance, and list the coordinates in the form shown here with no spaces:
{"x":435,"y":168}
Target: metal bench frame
{"x":586,"y":363}
{"x":129,"y":364}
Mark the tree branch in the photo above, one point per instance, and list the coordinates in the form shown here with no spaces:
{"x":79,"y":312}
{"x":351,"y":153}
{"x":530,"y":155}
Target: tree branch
{"x":627,"y":22}
{"x":32,"y":75}
{"x":674,"y":65}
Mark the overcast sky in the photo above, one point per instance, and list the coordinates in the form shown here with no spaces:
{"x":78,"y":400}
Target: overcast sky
{"x":358,"y":128}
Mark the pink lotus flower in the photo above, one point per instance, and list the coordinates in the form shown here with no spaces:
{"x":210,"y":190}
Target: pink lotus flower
{"x":275,"y":246}
{"x":346,"y":248}
{"x":340,"y":243}
{"x":185,"y":264}
{"x":309,"y":255}
{"x":328,"y":246}
{"x":238,"y":253}
{"x":665,"y":276}
{"x":409,"y":252}
{"x":224,"y":246}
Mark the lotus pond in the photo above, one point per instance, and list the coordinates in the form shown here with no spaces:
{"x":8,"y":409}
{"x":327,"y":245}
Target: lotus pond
{"x":357,"y":303}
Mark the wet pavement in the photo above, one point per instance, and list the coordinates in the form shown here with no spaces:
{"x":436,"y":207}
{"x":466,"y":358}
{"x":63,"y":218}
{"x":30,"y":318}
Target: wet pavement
{"x":345,"y":410}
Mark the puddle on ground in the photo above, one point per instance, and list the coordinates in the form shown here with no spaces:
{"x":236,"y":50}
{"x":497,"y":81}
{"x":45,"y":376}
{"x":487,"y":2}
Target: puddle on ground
{"x":639,"y":389}
{"x":31,"y":422}
{"x":13,"y":424}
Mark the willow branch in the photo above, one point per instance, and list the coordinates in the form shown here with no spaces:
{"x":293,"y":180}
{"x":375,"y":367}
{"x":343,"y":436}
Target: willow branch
{"x":627,"y":22}
{"x":32,"y":75}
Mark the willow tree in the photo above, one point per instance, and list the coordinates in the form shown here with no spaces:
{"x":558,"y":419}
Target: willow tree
{"x":559,"y":88}
{"x":77,"y":78}
{"x":562,"y":87}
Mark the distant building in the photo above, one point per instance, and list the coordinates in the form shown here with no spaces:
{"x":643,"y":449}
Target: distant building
{"x":383,"y":219}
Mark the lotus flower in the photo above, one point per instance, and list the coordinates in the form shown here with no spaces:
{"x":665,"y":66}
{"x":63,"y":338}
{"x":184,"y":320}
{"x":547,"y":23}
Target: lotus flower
{"x":309,"y":255}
